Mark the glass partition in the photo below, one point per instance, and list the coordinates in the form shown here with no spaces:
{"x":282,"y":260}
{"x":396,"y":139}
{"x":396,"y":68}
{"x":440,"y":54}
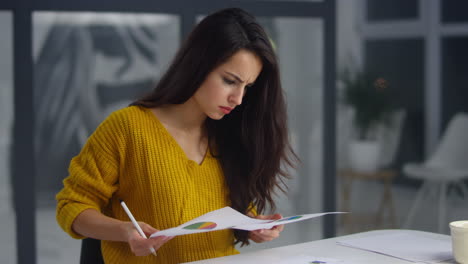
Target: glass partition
{"x":7,"y":214}
{"x":401,"y":62}
{"x":86,"y":65}
{"x":378,"y":11}
{"x":454,"y":78}
{"x":454,"y":11}
{"x":454,"y":101}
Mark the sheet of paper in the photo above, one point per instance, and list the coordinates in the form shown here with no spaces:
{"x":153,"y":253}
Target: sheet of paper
{"x":406,"y":246}
{"x":282,"y":221}
{"x":228,"y":218}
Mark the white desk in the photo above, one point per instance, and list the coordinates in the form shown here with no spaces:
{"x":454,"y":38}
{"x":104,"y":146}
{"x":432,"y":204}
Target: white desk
{"x":326,"y":248}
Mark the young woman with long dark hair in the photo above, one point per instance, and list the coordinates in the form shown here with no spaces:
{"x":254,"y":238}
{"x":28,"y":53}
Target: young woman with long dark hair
{"x":213,"y":133}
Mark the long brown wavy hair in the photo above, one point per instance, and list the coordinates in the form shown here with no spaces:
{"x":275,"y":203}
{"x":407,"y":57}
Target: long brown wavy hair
{"x":252,"y":141}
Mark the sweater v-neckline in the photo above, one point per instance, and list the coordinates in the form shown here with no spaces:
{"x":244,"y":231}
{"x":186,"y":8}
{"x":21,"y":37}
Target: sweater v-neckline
{"x":174,"y":142}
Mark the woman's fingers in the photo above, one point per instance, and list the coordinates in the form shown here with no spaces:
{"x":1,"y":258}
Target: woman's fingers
{"x":147,"y":229}
{"x":280,"y":228}
{"x":141,"y":246}
{"x":269,"y":217}
{"x":263,"y":235}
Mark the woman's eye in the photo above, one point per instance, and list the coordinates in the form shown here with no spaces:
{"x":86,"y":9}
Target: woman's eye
{"x":228,"y":81}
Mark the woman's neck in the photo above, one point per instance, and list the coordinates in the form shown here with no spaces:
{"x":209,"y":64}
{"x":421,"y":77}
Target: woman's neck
{"x":183,"y":117}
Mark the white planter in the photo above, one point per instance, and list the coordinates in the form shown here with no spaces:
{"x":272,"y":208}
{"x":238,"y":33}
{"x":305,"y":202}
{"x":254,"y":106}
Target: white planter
{"x":364,"y":155}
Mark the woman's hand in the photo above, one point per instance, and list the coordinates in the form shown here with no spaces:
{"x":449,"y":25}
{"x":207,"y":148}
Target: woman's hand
{"x":263,"y":235}
{"x":139,"y":245}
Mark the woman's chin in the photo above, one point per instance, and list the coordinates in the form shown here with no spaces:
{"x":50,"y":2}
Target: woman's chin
{"x":217,"y":116}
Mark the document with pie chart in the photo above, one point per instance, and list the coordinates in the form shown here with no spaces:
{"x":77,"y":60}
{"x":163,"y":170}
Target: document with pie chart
{"x":229,"y":218}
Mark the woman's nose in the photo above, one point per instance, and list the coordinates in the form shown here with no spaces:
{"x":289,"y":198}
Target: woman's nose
{"x":237,"y":95}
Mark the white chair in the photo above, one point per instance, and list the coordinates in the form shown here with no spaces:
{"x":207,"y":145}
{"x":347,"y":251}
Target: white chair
{"x":446,"y":167}
{"x":389,"y":138}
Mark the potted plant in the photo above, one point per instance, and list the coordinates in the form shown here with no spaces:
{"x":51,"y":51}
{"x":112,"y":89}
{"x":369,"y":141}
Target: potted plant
{"x":370,"y":98}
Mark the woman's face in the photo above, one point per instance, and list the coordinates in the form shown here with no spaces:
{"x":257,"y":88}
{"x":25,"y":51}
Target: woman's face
{"x":224,"y":88}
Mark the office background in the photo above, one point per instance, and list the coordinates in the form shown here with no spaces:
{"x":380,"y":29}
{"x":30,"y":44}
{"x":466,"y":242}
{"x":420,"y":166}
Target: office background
{"x":70,"y":64}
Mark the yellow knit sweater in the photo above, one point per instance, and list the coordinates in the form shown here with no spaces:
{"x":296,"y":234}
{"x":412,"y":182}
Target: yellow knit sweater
{"x":131,"y":156}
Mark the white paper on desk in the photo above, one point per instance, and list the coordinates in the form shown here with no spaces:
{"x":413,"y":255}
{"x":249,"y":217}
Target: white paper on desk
{"x":411,"y":247}
{"x":305,"y":259}
{"x":228,"y":218}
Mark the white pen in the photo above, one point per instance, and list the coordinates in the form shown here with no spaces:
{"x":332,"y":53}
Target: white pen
{"x":137,"y":226}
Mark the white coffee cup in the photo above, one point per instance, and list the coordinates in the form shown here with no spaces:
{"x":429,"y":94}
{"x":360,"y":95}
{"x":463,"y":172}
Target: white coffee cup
{"x":459,"y":232}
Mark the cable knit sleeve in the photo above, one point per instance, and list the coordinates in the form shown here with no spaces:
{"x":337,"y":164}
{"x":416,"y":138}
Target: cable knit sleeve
{"x":93,"y":174}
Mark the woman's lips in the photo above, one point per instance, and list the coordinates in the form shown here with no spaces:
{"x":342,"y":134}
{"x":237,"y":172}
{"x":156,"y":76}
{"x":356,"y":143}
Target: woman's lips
{"x":225,"y":110}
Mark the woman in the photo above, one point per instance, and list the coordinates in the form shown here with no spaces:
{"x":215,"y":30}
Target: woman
{"x":212,"y":134}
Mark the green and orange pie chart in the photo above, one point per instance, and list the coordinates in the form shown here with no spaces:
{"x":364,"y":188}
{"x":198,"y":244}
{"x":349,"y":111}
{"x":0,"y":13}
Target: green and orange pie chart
{"x":201,"y":226}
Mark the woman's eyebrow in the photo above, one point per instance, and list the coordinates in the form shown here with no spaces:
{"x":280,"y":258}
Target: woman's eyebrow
{"x":238,"y":78}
